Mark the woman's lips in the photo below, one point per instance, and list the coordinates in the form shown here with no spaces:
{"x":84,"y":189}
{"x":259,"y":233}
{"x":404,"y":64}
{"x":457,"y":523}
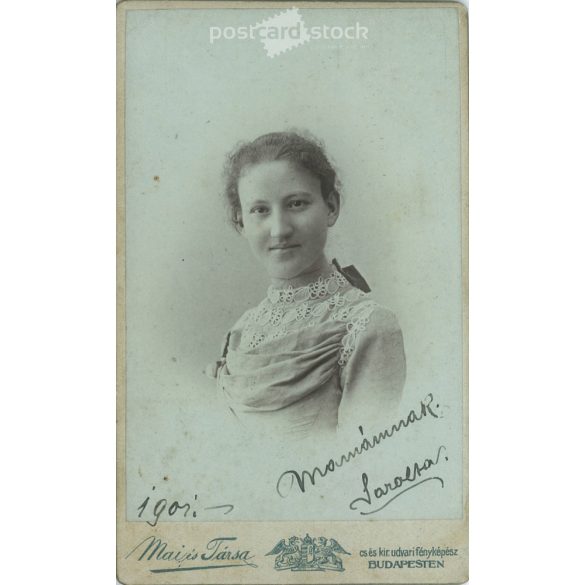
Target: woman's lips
{"x":283,"y":247}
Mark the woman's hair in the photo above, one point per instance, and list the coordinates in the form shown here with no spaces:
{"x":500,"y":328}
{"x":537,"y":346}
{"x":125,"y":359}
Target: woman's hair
{"x":303,"y":150}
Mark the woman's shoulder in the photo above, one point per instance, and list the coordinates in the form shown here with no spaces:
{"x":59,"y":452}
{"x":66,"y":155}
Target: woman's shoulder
{"x":383,"y":320}
{"x":378,"y":317}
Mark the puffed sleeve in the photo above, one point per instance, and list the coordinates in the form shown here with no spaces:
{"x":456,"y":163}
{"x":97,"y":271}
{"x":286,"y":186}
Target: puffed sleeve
{"x":373,"y":378}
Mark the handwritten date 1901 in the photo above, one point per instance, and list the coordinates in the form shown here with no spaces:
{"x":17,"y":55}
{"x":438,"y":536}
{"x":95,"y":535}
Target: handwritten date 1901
{"x":171,"y":509}
{"x":168,"y":508}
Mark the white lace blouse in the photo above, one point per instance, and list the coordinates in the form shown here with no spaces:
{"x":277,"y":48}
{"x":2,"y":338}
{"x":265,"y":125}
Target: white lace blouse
{"x":312,"y":360}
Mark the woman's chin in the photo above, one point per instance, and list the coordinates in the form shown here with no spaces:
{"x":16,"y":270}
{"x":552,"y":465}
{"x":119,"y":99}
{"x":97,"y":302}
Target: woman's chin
{"x":293,"y":273}
{"x":282,"y":271}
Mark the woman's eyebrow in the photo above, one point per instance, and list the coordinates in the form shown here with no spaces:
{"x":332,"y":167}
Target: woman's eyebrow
{"x":256,"y":202}
{"x":297,"y":193}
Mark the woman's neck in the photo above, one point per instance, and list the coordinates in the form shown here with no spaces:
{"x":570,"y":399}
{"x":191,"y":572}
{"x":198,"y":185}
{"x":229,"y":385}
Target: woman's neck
{"x":322,"y":268}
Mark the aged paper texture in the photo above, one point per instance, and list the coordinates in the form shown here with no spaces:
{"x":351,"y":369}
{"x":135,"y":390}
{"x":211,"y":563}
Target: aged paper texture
{"x":292,"y":292}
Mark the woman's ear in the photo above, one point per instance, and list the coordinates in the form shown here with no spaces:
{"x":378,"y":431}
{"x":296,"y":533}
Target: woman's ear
{"x":332,"y":202}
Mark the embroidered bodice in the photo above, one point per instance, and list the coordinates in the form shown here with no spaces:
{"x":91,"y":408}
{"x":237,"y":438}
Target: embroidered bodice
{"x":308,"y":359}
{"x":286,"y":309}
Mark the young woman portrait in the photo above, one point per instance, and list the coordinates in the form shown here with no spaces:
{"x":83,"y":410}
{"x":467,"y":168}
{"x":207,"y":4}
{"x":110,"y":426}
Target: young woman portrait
{"x":317,"y":355}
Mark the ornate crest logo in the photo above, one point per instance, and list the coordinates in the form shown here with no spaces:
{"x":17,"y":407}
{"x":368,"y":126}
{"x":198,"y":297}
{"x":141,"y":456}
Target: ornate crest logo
{"x":308,"y":554}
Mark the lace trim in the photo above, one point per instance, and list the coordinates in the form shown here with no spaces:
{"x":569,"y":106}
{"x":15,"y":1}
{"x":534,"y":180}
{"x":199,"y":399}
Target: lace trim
{"x":355,"y":317}
{"x":319,"y":289}
{"x":355,"y":325}
{"x":279,"y":318}
{"x":286,"y":309}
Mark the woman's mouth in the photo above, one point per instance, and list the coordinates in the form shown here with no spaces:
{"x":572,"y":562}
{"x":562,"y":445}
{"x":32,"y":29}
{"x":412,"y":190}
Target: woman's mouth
{"x":283,"y":247}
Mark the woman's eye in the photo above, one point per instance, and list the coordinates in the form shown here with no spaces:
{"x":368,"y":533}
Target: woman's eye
{"x":298,"y":203}
{"x":259,"y":209}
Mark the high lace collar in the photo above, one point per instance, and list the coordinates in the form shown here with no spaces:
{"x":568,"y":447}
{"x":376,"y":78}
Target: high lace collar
{"x":319,"y":289}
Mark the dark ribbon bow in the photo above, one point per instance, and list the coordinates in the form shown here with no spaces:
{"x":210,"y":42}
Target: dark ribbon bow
{"x":352,"y":274}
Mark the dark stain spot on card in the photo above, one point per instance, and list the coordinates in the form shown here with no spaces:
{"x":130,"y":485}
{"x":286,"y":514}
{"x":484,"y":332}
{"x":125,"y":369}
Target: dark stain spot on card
{"x":174,"y":359}
{"x":157,"y":178}
{"x":166,"y":478}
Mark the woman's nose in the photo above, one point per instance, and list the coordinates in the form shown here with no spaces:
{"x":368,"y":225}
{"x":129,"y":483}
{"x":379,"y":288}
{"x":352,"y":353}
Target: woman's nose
{"x":280,"y":226}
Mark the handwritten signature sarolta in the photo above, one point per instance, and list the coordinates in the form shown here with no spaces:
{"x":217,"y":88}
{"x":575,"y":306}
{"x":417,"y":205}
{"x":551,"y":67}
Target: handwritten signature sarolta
{"x":400,"y":484}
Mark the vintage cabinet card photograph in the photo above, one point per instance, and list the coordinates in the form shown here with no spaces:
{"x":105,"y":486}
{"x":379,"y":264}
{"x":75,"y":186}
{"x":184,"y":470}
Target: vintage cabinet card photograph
{"x":292,"y":292}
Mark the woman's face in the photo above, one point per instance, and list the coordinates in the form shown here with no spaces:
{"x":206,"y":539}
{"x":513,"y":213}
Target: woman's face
{"x":285,"y":218}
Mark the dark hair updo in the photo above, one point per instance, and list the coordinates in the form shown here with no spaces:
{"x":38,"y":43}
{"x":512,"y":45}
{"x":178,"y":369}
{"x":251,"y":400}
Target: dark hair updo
{"x":307,"y":152}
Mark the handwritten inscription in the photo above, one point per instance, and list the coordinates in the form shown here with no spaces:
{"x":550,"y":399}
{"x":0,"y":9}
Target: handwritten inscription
{"x":377,"y":498}
{"x":302,"y":480}
{"x":374,"y":498}
{"x":163,"y":507}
